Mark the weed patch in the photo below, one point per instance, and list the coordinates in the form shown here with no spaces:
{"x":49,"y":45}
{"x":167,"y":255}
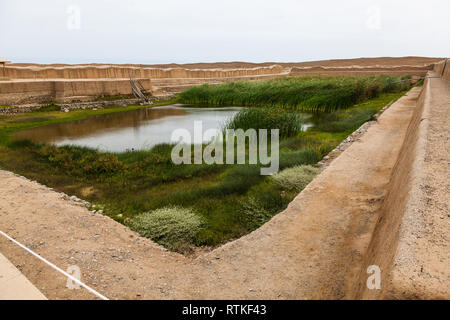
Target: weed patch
{"x":172,"y":227}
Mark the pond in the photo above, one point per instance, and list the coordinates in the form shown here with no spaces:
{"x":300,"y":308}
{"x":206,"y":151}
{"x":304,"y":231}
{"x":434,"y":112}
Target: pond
{"x":131,"y":130}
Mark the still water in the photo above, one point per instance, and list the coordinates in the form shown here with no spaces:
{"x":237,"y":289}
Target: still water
{"x":136,"y":129}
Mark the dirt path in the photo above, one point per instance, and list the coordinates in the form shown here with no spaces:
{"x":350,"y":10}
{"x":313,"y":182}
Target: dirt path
{"x":311,"y":250}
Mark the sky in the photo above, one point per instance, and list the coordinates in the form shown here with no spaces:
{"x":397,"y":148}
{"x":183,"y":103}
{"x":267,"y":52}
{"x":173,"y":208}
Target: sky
{"x":181,"y":31}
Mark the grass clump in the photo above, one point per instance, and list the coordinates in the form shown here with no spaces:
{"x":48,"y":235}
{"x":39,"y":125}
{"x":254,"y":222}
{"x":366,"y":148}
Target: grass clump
{"x":254,"y":214}
{"x":289,"y":123}
{"x":296,"y":178}
{"x":172,"y":227}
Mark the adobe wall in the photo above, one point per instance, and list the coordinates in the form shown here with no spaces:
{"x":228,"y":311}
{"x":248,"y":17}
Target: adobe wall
{"x":116,"y":72}
{"x":25,"y":92}
{"x":364,"y":71}
{"x":443,"y":69}
{"x":22,"y":92}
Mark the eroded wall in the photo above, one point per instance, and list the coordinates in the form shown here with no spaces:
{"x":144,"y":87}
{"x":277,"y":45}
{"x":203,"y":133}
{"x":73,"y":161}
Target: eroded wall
{"x":27,"y":84}
{"x":442,"y":69}
{"x":385,"y":238}
{"x":115,"y":72}
{"x":23,"y":92}
{"x":364,"y":71}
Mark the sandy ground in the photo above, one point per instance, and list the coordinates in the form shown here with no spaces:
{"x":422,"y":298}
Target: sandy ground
{"x":311,"y":250}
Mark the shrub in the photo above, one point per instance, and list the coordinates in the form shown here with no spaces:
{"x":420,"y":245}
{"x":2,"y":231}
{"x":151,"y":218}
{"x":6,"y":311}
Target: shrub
{"x":80,"y":161}
{"x":296,"y":178}
{"x":264,"y":201}
{"x":254,"y":214}
{"x":172,"y":227}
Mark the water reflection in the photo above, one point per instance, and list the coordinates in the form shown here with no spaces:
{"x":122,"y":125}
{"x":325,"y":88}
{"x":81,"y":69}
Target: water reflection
{"x":137,"y":129}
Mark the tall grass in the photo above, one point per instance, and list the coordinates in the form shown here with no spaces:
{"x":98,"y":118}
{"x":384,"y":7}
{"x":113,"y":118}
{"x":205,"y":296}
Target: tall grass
{"x":289,"y":123}
{"x":303,"y":93}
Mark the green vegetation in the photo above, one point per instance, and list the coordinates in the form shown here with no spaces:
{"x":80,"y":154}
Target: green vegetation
{"x":305,"y":93}
{"x":262,"y":203}
{"x":289,"y":123}
{"x":171,"y":227}
{"x":180,"y":206}
{"x":296,"y":178}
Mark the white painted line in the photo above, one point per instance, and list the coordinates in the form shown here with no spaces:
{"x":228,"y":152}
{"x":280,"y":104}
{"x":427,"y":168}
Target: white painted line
{"x":55,"y":267}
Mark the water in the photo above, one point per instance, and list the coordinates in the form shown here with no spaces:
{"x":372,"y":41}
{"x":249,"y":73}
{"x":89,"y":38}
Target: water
{"x":131,"y":130}
{"x":136,"y":129}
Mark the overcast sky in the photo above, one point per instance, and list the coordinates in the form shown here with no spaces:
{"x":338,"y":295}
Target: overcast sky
{"x":165,"y":31}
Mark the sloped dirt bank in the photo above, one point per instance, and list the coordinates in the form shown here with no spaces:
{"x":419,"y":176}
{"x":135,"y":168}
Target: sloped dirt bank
{"x":410,"y":242}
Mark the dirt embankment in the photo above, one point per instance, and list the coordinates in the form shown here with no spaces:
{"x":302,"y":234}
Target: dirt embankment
{"x":411,"y":239}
